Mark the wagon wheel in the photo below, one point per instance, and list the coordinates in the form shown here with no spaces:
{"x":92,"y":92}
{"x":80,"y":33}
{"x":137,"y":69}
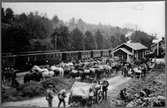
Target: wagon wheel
{"x":100,"y":97}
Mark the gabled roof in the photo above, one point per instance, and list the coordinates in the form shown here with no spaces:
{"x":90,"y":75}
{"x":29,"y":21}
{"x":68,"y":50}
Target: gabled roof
{"x":133,"y":45}
{"x":136,"y":46}
{"x":124,"y":50}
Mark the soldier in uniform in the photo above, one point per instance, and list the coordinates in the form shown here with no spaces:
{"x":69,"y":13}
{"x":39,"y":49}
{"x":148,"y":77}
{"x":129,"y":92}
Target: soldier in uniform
{"x":49,"y":95}
{"x":91,"y":95}
{"x":123,"y":94}
{"x":61,"y":97}
{"x":105,"y":85}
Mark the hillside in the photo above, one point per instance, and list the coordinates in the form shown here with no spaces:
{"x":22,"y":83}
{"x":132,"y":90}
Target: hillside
{"x":106,"y":30}
{"x":33,"y":32}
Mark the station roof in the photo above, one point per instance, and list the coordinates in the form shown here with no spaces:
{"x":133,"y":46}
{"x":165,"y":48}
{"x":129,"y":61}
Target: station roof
{"x":133,"y":45}
{"x":124,"y":50}
{"x":136,"y":46}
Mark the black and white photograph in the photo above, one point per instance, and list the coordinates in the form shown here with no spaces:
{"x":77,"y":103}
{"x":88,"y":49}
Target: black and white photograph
{"x":83,"y":54}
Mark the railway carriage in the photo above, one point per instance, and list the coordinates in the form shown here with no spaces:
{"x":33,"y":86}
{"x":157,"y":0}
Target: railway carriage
{"x":25,"y":60}
{"x":101,"y":53}
{"x":8,"y":61}
{"x":69,"y":55}
{"x":74,"y":55}
{"x":109,"y":51}
{"x":96,"y":53}
{"x":53,"y":58}
{"x":105,"y":53}
{"x":85,"y":54}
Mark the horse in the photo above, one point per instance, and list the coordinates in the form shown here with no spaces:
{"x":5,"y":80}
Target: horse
{"x":125,"y":71}
{"x":107,"y":69}
{"x":137,"y":72}
{"x":74,"y":73}
{"x":68,"y":67}
{"x":36,"y":68}
{"x":116,"y":67}
{"x":98,"y":71}
{"x":47,"y":74}
{"x":34,"y":76}
{"x":56,"y":69}
{"x":85,"y":73}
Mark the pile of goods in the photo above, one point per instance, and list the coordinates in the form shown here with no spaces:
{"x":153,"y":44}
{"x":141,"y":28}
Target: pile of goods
{"x":145,"y":93}
{"x":79,"y":94}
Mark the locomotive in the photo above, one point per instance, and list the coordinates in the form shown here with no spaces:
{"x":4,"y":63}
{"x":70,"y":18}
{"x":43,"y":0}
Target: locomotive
{"x":25,"y":60}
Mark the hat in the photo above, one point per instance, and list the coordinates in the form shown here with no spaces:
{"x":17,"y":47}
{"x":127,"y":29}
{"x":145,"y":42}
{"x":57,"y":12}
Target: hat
{"x":137,"y":95}
{"x":50,"y":85}
{"x":63,"y":91}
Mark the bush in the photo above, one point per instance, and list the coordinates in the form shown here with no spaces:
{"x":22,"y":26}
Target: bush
{"x":160,"y":66}
{"x":58,"y":83}
{"x":33,"y":89}
{"x":8,"y":94}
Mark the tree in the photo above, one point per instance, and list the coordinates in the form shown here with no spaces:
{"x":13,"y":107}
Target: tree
{"x":89,"y":41}
{"x":123,"y":39}
{"x":99,"y":39}
{"x":55,"y":22}
{"x":60,"y":38}
{"x":9,"y":15}
{"x":77,"y":42}
{"x":113,"y":41}
{"x":14,"y":39}
{"x":3,"y":15}
{"x":19,"y":31}
{"x":22,"y":17}
{"x":54,"y":40}
{"x":39,"y":27}
{"x":143,"y":38}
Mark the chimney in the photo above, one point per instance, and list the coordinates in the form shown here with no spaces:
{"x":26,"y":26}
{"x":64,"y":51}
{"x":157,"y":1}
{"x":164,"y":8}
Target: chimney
{"x":128,"y":35}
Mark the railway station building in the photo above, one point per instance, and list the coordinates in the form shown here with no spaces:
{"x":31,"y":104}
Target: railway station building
{"x":158,"y":47}
{"x":130,"y":51}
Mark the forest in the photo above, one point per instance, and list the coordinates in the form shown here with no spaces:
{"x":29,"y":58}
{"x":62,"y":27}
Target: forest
{"x":35,"y":32}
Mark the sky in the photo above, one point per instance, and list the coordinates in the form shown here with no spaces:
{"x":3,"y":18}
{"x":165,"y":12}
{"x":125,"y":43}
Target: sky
{"x":146,"y":16}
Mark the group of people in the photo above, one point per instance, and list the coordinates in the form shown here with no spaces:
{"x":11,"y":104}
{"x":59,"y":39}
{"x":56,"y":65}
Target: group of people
{"x":96,"y":88}
{"x":132,"y":70}
{"x":9,"y":77}
{"x":124,"y":95}
{"x":99,"y":86}
{"x":50,"y":92}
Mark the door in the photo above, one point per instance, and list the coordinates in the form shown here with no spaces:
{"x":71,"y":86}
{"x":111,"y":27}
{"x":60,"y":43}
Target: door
{"x":64,"y":56}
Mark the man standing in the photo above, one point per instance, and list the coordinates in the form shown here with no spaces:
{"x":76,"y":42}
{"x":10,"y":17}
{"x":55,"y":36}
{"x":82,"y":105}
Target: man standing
{"x":93,"y":91}
{"x":123,"y":94}
{"x":61,"y":97}
{"x":91,"y":96}
{"x":105,"y":88}
{"x":49,"y":95}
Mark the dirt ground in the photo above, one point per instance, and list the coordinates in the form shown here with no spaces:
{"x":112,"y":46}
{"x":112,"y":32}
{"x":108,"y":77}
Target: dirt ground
{"x":116,"y":83}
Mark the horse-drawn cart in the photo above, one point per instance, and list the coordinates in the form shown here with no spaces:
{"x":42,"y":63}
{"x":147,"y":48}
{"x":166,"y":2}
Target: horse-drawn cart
{"x":80,"y":95}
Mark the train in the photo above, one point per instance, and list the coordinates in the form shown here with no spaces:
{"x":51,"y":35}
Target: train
{"x":25,"y":60}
